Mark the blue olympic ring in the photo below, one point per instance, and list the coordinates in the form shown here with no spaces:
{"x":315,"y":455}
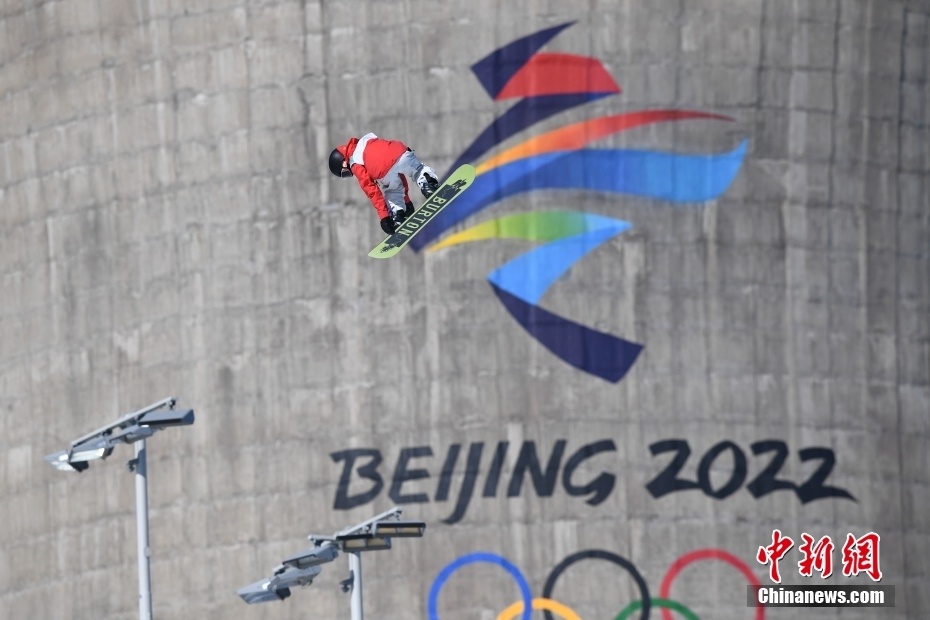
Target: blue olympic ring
{"x":489,"y":558}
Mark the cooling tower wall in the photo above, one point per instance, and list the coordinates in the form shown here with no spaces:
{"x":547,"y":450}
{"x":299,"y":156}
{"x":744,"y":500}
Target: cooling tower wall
{"x":683,"y":305}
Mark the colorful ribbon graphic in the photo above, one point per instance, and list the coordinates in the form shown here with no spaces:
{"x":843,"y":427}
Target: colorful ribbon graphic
{"x":522,"y":282}
{"x":546,"y":84}
{"x":516,"y":70}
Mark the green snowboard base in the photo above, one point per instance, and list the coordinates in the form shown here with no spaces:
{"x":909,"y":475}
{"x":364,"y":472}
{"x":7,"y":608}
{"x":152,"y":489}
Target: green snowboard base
{"x":453,"y":186}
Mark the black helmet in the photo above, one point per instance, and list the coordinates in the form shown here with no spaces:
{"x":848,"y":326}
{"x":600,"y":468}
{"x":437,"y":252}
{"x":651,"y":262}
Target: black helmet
{"x":338,"y":164}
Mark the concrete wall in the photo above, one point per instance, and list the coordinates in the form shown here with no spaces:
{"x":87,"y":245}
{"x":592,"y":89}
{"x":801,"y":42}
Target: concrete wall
{"x":168,"y":227}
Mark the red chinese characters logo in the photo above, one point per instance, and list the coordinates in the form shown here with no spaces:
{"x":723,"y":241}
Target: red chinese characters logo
{"x":773,"y":553}
{"x":860,"y":555}
{"x":817,"y":556}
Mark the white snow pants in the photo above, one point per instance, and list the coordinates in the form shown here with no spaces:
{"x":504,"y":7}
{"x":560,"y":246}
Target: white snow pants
{"x":392,"y":185}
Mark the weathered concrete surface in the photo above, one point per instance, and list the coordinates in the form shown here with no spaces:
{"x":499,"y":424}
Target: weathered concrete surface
{"x":168,"y":227}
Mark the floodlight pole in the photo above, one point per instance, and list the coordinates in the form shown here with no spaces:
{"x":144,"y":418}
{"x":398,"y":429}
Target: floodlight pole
{"x":355,"y":568}
{"x":370,"y":535}
{"x":139,"y":466}
{"x":130,"y":428}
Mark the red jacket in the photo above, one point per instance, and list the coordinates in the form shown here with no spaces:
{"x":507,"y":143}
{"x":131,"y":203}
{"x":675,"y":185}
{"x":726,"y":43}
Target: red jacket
{"x":377,"y":158}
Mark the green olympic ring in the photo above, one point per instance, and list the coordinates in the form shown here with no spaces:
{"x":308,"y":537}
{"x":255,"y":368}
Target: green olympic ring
{"x":657,"y":602}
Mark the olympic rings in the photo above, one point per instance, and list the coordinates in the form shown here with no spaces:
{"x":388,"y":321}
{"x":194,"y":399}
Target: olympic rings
{"x":565,"y":612}
{"x":524,"y":607}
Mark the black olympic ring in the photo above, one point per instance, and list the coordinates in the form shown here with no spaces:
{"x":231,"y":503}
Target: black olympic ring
{"x":599,"y":554}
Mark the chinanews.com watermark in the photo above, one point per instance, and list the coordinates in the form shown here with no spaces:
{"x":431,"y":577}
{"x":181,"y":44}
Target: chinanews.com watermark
{"x":820,"y":596}
{"x":858,"y":555}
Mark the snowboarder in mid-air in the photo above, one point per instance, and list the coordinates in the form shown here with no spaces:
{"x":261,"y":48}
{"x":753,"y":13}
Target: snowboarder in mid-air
{"x":380,"y":166}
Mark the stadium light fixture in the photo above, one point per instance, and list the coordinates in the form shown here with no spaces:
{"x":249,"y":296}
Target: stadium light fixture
{"x":372,"y":535}
{"x":133,"y":428}
{"x":364,"y":542}
{"x":278,"y":587}
{"x":400,"y":529}
{"x":326,"y":552}
{"x":61,"y":461}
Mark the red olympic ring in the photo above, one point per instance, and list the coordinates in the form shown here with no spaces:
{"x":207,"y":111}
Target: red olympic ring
{"x":706,"y":554}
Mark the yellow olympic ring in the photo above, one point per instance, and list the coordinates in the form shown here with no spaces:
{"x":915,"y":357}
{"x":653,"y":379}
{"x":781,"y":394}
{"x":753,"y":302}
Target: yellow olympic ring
{"x":540,"y":604}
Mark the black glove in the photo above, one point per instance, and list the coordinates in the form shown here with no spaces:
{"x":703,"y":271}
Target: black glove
{"x":408,"y":211}
{"x":388,"y":225}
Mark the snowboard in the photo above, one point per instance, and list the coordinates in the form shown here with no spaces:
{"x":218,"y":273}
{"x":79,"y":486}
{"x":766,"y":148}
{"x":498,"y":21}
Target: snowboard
{"x":446,"y":193}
